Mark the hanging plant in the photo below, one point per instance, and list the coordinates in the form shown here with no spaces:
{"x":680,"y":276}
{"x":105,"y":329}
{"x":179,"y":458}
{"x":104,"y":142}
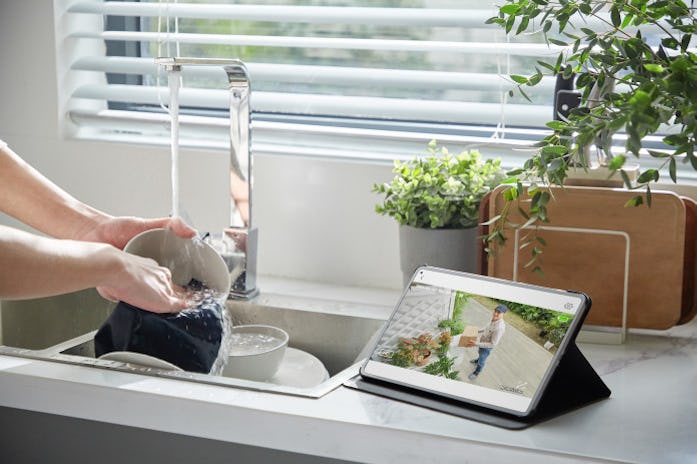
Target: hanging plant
{"x":636,"y":73}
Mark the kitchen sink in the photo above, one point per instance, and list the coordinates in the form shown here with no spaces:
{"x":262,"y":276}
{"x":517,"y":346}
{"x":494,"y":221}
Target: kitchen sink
{"x":337,"y":333}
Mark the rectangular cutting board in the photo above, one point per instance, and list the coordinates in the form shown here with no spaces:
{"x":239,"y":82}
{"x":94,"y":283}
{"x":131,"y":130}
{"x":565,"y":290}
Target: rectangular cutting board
{"x":593,"y":261}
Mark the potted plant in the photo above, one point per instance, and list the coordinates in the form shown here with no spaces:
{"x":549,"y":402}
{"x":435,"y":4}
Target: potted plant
{"x":636,"y":72}
{"x":435,"y":199}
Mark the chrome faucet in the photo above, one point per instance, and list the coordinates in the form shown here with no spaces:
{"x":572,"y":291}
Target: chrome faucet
{"x":238,"y":242}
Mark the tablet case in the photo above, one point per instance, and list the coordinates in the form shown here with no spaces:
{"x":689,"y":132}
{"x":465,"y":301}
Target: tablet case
{"x":574,"y":384}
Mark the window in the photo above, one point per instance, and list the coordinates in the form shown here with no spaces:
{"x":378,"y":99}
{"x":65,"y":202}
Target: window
{"x":383,"y":75}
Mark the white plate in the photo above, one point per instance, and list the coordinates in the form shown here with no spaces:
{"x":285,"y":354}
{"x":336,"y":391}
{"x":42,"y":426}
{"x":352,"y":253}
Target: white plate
{"x":139,"y":360}
{"x":300,"y":369}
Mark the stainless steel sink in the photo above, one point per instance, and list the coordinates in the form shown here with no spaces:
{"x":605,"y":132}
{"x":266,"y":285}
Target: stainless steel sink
{"x":338,"y":334}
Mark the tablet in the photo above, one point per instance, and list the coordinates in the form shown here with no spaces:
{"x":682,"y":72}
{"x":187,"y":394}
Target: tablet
{"x":479,"y":340}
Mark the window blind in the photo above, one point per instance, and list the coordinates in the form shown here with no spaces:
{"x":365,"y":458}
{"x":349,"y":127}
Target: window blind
{"x":432,"y":68}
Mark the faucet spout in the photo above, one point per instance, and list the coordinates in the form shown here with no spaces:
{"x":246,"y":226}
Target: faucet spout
{"x":238,"y":245}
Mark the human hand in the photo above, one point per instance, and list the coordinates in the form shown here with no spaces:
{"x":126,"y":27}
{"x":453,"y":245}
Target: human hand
{"x":117,"y":231}
{"x":144,"y":284}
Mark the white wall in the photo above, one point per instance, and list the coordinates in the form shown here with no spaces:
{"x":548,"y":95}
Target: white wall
{"x":315,"y":217}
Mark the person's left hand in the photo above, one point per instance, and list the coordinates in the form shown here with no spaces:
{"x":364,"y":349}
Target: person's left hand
{"x":117,"y":231}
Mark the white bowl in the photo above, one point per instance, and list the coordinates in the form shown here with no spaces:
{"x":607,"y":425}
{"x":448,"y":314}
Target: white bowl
{"x":256,"y":352}
{"x":186,"y":258}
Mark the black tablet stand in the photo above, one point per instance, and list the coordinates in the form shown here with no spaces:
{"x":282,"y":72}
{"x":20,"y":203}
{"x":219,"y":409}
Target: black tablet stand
{"x":573,"y":385}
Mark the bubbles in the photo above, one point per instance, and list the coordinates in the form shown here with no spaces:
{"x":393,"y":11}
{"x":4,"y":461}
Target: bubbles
{"x":244,"y":344}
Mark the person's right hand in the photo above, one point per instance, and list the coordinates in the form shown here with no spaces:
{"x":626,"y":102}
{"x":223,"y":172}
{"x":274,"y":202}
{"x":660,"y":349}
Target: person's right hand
{"x":117,"y":231}
{"x":141,"y":282}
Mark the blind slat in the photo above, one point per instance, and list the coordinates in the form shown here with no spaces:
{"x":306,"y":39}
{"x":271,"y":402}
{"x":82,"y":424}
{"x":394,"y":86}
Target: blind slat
{"x":431,"y":65}
{"x":479,"y":48}
{"x":318,"y":75}
{"x":369,"y":107}
{"x":422,"y":17}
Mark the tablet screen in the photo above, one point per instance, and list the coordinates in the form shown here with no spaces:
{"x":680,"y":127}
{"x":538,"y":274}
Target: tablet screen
{"x":485,"y":341}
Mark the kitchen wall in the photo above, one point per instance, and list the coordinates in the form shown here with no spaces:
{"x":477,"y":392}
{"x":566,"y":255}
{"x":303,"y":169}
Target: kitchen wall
{"x":315,"y":216}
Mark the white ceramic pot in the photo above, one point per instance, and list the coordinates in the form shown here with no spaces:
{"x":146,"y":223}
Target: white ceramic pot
{"x":454,"y":249}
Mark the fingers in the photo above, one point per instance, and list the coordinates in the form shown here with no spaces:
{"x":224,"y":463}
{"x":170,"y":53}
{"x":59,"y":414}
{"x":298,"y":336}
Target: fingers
{"x":107,"y":294}
{"x":146,"y":285}
{"x":181,"y":228}
{"x":176,"y":225}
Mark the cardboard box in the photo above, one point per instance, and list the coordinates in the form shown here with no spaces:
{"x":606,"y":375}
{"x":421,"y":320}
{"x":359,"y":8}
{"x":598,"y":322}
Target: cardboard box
{"x":468,"y":336}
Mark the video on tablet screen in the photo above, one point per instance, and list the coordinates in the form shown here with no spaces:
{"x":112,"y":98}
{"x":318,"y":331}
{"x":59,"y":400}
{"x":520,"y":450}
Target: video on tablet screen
{"x":478,"y":340}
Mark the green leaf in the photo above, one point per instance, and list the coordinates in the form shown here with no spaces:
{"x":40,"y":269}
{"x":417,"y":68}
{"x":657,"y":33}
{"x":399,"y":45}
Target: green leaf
{"x":654,"y":68}
{"x":675,"y":139}
{"x":648,"y":176}
{"x":617,"y":162}
{"x":554,"y":150}
{"x":509,"y":24}
{"x":560,"y":43}
{"x":557,"y":65}
{"x":672,"y":170}
{"x":510,"y":9}
{"x":615,"y":16}
{"x":640,"y":99}
{"x":535,"y":78}
{"x":685,"y":42}
{"x":519,"y":79}
{"x":525,"y":95}
{"x":658,"y":154}
{"x":670,"y":42}
{"x":491,"y":221}
{"x":557,"y":125}
{"x":523,"y":25}
{"x":510,"y":194}
{"x":546,"y":65}
{"x":635,"y":201}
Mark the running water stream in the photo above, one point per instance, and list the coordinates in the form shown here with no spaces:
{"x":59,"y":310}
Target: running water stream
{"x":174,"y":80}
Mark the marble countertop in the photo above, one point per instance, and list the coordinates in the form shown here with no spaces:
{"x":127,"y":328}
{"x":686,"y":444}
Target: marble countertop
{"x":650,"y":417}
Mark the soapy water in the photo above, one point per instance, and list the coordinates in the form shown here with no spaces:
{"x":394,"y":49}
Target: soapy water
{"x":244,"y":344}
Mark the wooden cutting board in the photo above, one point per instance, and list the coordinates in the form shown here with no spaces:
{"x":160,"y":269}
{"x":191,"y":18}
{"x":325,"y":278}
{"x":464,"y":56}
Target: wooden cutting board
{"x":689,"y":298}
{"x":594,"y":261}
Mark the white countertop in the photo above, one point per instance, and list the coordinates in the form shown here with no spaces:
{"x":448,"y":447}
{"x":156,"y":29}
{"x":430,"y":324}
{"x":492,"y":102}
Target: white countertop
{"x":651,"y":416}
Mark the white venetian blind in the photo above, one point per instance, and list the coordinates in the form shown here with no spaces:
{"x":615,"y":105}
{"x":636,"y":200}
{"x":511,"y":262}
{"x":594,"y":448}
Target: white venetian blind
{"x":421,"y":65}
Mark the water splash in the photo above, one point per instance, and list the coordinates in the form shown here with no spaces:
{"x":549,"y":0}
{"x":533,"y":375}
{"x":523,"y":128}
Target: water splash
{"x":203,"y":299}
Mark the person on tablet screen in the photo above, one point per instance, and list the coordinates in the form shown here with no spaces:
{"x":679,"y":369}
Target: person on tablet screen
{"x":489,"y":338}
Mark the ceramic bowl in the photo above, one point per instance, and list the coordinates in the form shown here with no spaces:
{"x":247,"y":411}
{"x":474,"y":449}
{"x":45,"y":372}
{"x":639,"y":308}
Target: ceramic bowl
{"x":187,"y":259}
{"x":256,"y":352}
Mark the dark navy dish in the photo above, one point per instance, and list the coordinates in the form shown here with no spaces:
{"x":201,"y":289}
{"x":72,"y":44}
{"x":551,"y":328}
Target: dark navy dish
{"x":189,"y":339}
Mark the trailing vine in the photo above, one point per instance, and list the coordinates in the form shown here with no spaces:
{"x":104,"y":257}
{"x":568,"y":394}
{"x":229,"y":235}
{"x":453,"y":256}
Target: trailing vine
{"x":627,"y":82}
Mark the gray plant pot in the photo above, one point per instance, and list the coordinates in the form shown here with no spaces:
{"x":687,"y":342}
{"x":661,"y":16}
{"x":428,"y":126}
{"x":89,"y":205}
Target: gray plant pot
{"x":454,"y":249}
